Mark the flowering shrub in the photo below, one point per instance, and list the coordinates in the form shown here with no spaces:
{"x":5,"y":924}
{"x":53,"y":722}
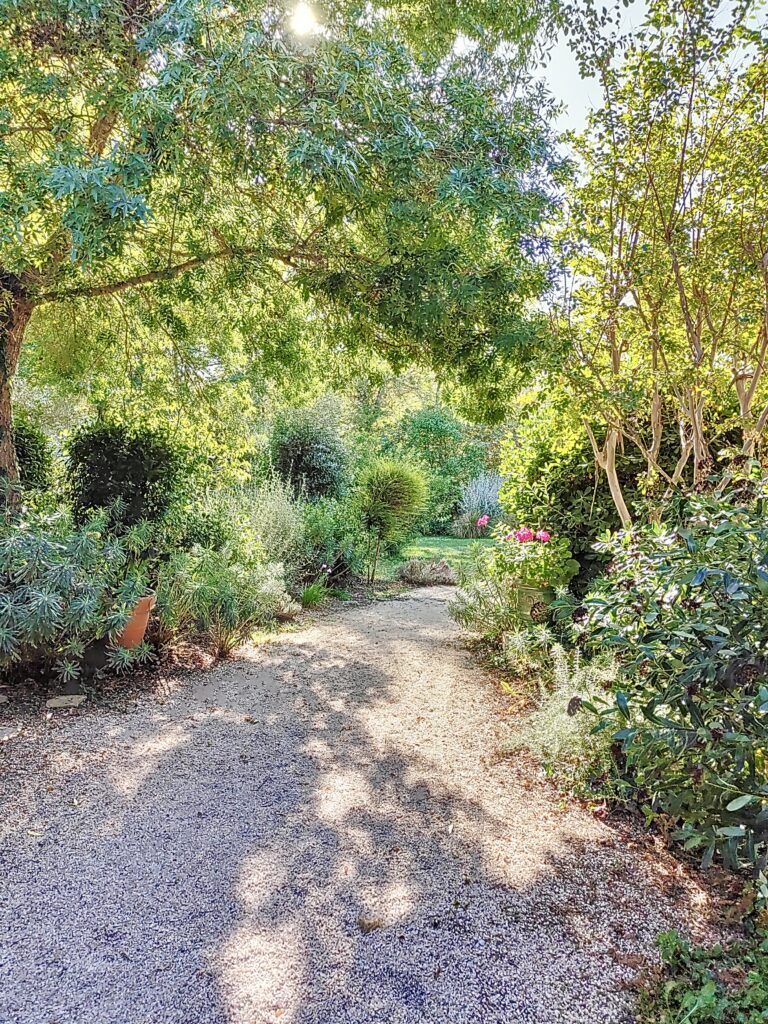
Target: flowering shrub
{"x":507,"y":585}
{"x":533,"y":559}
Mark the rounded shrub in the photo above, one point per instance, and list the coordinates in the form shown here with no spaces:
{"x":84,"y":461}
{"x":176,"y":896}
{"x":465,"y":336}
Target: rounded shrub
{"x":33,"y":454}
{"x":137,"y":473}
{"x":309,"y":455}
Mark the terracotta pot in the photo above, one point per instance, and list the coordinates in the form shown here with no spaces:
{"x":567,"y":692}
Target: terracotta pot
{"x":136,"y":626}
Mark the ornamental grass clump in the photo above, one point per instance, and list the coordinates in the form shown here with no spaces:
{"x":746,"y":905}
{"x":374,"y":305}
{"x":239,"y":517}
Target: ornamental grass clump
{"x":478,"y":506}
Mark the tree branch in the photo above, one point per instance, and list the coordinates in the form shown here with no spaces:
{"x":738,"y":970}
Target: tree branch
{"x":153,"y":276}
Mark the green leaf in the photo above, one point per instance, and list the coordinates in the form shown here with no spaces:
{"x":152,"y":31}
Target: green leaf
{"x":741,"y":801}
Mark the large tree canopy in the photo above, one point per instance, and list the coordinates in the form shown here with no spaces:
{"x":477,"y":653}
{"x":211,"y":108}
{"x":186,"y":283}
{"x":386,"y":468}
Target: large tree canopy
{"x":158,"y":154}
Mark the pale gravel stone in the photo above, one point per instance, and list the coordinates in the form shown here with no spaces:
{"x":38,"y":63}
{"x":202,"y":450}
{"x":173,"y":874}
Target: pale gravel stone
{"x":66,"y":700}
{"x":215,"y":858}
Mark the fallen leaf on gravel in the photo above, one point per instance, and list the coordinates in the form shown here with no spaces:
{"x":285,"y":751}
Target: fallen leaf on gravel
{"x":68,"y":700}
{"x":633,"y":960}
{"x":7,"y":732}
{"x":369,"y":924}
{"x":3,"y":699}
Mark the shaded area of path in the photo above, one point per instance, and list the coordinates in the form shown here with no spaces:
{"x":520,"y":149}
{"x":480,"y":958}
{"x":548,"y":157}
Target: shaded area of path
{"x":317,"y":833}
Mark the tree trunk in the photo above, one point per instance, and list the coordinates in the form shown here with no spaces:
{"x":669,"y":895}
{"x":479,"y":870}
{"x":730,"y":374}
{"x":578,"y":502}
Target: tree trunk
{"x":606,"y":460}
{"x":702,"y":458}
{"x":15,"y":312}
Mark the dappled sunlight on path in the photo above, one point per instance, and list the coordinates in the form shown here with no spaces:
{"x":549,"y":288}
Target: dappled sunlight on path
{"x":318,"y":833}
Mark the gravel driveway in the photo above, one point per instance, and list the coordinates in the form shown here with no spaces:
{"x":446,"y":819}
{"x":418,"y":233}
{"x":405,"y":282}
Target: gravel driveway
{"x":317,"y":833}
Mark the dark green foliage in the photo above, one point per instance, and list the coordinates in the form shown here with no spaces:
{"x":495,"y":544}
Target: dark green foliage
{"x":63,"y":588}
{"x":33,"y":453}
{"x":685,"y":609}
{"x":391,"y":496}
{"x":207,"y":521}
{"x":309,"y":455}
{"x":137,"y":473}
{"x":709,"y":985}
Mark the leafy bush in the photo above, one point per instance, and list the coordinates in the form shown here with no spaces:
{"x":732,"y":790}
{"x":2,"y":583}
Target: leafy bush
{"x":391,"y":496}
{"x":276,"y":520}
{"x":218,"y":597}
{"x":478,"y":500}
{"x":531,"y":559}
{"x":715,"y":985}
{"x":135,"y":473}
{"x":212,"y":520}
{"x":309,"y":455}
{"x":686,"y":611}
{"x":64,"y":587}
{"x":439,"y":443}
{"x":33,"y":454}
{"x":556,"y":731}
{"x":505,"y":586}
{"x":334,"y":538}
{"x":263,"y":520}
{"x":550,"y":476}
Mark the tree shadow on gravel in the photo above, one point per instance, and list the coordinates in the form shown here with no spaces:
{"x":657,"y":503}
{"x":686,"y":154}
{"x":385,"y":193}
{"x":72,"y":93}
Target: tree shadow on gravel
{"x":266,"y":851}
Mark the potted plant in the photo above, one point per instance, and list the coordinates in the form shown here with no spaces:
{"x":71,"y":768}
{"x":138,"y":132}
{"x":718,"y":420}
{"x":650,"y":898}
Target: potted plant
{"x":534,"y":563}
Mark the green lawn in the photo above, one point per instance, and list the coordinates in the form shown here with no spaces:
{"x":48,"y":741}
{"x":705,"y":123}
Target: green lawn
{"x":453,"y":550}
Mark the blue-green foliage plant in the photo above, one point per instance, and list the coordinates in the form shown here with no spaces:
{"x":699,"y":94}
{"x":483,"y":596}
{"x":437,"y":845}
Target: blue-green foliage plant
{"x":65,"y":586}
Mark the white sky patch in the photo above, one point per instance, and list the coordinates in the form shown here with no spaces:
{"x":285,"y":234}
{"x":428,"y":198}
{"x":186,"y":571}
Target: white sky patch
{"x":303,"y":20}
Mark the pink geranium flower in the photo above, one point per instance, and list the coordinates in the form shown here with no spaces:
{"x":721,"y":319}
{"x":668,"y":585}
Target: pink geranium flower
{"x":483,"y":521}
{"x":524,"y":534}
{"x":543,"y":536}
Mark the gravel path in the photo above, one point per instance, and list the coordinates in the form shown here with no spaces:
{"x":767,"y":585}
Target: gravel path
{"x":319,"y":833}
